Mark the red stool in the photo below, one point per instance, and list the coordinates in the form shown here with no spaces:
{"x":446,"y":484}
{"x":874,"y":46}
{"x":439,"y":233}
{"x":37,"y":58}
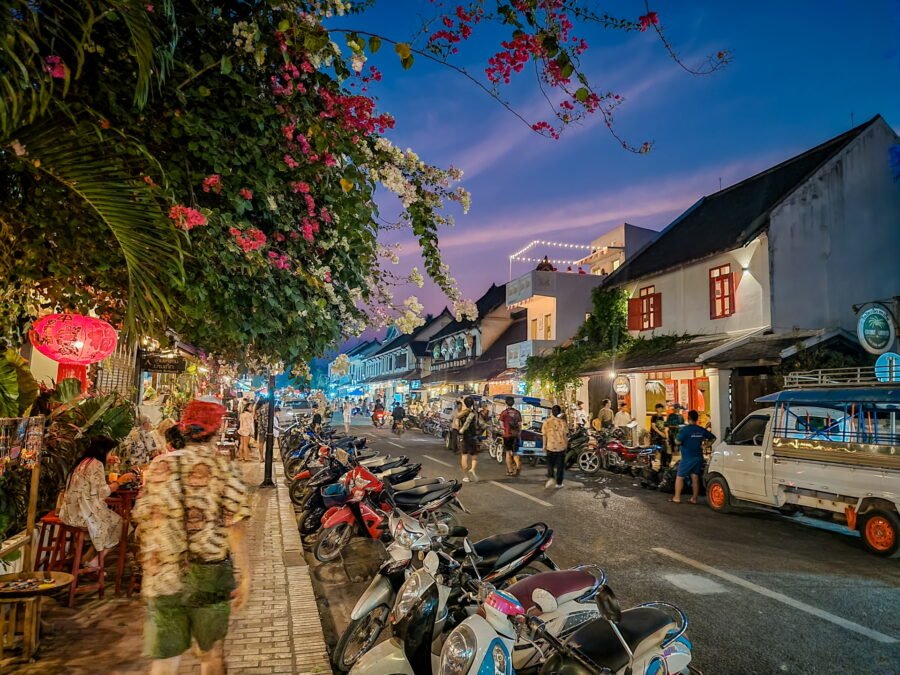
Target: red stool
{"x":47,"y":542}
{"x":71,"y":542}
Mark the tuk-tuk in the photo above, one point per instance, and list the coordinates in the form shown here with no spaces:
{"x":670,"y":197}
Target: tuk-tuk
{"x":531,"y":442}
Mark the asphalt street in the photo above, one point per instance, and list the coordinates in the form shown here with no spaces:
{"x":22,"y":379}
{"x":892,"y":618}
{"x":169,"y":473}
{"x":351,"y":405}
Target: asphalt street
{"x":764,"y":594}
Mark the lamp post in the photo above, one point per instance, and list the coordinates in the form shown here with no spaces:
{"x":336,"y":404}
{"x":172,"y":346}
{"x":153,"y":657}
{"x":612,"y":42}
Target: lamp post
{"x":270,"y":433}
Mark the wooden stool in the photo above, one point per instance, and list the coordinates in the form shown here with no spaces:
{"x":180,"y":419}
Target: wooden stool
{"x":72,"y":540}
{"x":9,"y":619}
{"x":47,"y":540}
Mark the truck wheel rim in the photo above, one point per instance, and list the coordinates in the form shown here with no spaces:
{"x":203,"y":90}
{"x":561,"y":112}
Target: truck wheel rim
{"x":716,"y":495}
{"x":880,"y":534}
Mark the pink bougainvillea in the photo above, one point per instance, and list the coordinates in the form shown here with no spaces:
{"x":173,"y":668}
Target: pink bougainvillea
{"x":246,"y":194}
{"x":213,"y":183}
{"x":280,"y":260}
{"x":647,"y":20}
{"x":290,"y":161}
{"x":185,"y":217}
{"x":252,"y":239}
{"x":54,"y":65}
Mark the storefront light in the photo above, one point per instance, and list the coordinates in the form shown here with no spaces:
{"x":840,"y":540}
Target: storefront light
{"x":612,"y":374}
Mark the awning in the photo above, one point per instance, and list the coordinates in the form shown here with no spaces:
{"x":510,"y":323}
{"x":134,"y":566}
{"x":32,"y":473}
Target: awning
{"x":405,"y":375}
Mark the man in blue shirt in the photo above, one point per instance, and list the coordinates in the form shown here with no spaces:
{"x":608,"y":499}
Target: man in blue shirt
{"x":690,"y":439}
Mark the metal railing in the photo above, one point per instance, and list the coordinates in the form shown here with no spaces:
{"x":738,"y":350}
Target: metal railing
{"x":830,"y":377}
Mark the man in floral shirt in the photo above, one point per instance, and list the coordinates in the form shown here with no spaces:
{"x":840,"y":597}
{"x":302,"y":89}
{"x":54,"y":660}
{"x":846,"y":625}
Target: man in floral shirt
{"x":192,"y":515}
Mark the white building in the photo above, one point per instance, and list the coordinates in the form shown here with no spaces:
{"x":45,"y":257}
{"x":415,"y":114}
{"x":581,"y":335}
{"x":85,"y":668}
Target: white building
{"x":756,"y":271}
{"x":611,"y":249}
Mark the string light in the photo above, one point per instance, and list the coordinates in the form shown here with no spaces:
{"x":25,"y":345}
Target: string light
{"x":557,"y":244}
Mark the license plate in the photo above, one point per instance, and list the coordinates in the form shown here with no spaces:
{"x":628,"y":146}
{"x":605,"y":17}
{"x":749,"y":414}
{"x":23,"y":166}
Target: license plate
{"x":529,"y":444}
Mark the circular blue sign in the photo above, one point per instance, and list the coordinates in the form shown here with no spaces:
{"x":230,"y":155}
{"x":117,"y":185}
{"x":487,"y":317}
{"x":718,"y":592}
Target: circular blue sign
{"x":887,"y":367}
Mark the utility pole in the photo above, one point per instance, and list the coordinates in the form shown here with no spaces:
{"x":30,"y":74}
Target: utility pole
{"x":270,"y":433}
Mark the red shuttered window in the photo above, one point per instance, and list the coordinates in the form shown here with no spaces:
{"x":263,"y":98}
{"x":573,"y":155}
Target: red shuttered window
{"x":721,"y":292}
{"x":645,"y":310}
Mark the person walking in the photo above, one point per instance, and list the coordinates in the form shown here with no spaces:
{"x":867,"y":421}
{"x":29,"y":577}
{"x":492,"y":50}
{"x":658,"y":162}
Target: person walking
{"x":468,"y":433}
{"x":556,"y":439}
{"x":245,"y":431}
{"x":674,"y":422}
{"x":510,"y":429}
{"x":658,"y":430}
{"x":454,"y":427}
{"x":347,"y":412}
{"x":691,"y":439}
{"x":192,"y":514}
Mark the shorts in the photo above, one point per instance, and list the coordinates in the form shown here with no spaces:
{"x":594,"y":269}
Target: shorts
{"x":687,"y":467}
{"x":200,"y":614}
{"x":510,"y":443}
{"x":469,"y":445}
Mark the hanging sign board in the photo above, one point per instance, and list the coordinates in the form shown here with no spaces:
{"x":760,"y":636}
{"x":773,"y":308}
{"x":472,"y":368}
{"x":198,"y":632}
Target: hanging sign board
{"x":875,"y":328}
{"x":621,"y":385}
{"x":887,"y":367}
{"x":157,"y":363}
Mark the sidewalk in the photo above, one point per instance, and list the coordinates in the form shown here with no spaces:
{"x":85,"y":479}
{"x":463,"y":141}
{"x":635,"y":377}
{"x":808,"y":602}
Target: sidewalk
{"x":279,"y":631}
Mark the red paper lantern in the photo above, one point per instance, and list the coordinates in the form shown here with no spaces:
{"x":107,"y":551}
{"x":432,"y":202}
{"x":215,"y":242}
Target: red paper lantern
{"x":73,"y":339}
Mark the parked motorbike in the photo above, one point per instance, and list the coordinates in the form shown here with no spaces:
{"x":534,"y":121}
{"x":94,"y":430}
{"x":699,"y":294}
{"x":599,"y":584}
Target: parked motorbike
{"x":578,"y":442}
{"x":620,"y":458}
{"x":505,"y":559}
{"x":647,"y":639}
{"x":439,"y":596}
{"x":370,"y":499}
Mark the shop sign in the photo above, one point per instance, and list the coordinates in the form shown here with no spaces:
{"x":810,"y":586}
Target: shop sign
{"x":415,"y":385}
{"x":517,"y":354}
{"x":621,"y":385}
{"x":887,"y":367}
{"x":158,"y":363}
{"x":875,"y":328}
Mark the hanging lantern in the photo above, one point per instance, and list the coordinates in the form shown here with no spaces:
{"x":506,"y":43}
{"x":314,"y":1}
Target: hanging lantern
{"x":74,"y":341}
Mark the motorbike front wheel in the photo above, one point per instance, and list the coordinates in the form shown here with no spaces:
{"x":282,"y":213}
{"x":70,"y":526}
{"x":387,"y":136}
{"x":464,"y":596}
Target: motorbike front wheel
{"x":332,"y":541}
{"x":310,"y":521}
{"x":299,"y":492}
{"x":358,"y":638}
{"x":589,"y":462}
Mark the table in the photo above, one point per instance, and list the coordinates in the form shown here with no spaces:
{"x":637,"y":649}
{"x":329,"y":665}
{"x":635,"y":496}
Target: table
{"x":122,"y":500}
{"x":30,"y":601}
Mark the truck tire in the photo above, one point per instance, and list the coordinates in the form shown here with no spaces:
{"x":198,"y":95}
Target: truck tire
{"x":880,"y":532}
{"x":718,"y":496}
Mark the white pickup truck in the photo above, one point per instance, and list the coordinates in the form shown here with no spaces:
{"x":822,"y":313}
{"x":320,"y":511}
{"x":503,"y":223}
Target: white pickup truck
{"x":829,"y":452}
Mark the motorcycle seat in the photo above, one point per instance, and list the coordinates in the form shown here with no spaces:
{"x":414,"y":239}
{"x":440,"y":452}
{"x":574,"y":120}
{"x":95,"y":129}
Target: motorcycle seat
{"x":496,"y":551}
{"x":416,"y":482}
{"x":565,"y":586}
{"x":641,"y":627}
{"x":385,"y":462}
{"x":394,"y":470}
{"x":422,"y":493}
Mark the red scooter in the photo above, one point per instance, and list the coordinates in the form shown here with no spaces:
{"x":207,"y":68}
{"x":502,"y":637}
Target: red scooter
{"x":369,"y":500}
{"x":378,"y":418}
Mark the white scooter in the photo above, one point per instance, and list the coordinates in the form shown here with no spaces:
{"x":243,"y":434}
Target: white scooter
{"x":648,"y":639}
{"x":436,"y":594}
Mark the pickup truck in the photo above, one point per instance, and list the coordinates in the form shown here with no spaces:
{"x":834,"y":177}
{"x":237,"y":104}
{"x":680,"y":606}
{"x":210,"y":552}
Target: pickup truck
{"x":830,"y":452}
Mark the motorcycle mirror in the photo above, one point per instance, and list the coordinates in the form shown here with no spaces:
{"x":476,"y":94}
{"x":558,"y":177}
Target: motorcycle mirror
{"x":459,"y":531}
{"x":431,"y":562}
{"x":467,"y":546}
{"x":608,"y":604}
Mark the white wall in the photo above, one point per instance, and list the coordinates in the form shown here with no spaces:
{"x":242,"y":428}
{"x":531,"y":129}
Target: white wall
{"x":836,"y":240}
{"x":685,"y":294}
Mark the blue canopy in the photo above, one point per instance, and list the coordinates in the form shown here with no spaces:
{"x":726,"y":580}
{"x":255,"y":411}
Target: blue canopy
{"x":826,"y":397}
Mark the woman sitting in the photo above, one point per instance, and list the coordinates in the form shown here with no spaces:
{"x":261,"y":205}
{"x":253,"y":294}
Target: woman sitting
{"x":84,"y":503}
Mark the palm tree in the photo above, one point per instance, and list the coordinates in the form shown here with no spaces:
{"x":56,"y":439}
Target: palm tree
{"x":50,"y":50}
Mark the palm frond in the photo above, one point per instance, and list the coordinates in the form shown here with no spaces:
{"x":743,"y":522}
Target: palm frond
{"x":87,"y":163}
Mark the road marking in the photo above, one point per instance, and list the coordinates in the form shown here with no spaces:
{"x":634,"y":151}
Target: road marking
{"x":520,"y":493}
{"x":696,"y":584}
{"x":780,"y":597}
{"x":436,"y":460}
{"x":396,"y":445}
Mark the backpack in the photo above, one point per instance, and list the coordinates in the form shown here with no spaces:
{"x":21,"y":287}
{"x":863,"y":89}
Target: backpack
{"x":514,"y":421}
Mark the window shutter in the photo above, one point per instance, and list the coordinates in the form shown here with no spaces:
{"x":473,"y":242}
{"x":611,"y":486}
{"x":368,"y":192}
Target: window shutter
{"x":712,"y":297}
{"x":731,"y":296}
{"x":657,"y":310}
{"x":634,"y":314}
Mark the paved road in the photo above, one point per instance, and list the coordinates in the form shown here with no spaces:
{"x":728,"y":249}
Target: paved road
{"x":763,"y":594}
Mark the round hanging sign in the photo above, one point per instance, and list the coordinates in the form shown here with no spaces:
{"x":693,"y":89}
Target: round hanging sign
{"x":621,"y":385}
{"x":73,"y":339}
{"x":875,"y":328}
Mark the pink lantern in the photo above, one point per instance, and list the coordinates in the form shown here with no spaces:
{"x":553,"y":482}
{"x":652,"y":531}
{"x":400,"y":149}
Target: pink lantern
{"x":74,"y":341}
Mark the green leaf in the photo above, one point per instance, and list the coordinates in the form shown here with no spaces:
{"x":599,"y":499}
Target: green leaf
{"x":28,"y":386}
{"x":407,"y":63}
{"x":374,"y":44}
{"x":9,"y":390}
{"x":67,"y":390}
{"x":582,"y":94}
{"x":226,"y":65}
{"x":567,"y":70}
{"x":404,"y":51}
{"x":203,"y":91}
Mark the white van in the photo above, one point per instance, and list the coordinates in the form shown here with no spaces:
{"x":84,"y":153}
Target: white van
{"x":829,"y":451}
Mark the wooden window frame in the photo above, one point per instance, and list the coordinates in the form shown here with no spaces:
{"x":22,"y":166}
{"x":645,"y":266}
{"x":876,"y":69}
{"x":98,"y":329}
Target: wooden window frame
{"x":721,"y":292}
{"x":645,"y":310}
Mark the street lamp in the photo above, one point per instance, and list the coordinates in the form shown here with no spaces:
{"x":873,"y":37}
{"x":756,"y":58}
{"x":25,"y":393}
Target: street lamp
{"x":270,"y":433}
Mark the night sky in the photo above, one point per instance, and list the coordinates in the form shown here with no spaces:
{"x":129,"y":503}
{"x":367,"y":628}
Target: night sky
{"x":801,"y":72}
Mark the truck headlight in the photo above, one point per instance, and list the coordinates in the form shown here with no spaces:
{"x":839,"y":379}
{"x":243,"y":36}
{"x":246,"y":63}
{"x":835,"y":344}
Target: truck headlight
{"x":458,"y":652}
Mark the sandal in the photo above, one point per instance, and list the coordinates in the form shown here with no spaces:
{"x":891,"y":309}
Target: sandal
{"x":674,"y":501}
